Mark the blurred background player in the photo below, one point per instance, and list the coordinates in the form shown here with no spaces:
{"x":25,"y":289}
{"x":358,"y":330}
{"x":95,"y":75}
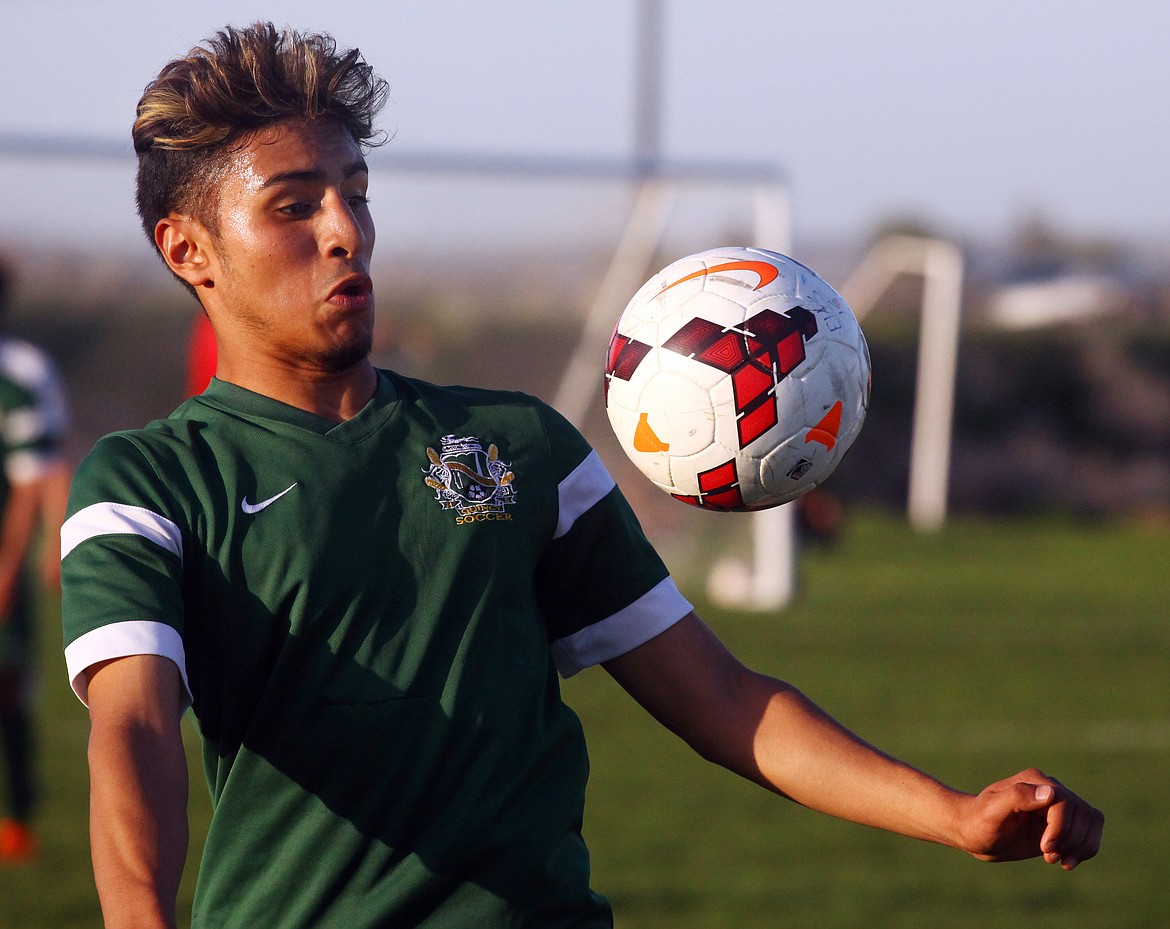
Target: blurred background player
{"x":33,"y":491}
{"x":201,"y":355}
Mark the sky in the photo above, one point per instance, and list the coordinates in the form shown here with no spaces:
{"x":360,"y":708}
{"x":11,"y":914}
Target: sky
{"x":972,"y":117}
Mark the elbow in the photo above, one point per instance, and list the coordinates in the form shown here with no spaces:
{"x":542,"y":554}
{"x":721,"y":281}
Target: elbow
{"x":733,"y":718}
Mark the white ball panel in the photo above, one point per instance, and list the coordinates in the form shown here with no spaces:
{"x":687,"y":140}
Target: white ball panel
{"x":690,"y":405}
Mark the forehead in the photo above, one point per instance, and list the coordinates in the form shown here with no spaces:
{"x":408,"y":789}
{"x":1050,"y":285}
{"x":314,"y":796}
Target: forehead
{"x":292,"y":150}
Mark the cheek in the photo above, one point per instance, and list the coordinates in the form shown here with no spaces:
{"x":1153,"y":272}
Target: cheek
{"x":270,"y":257}
{"x":239,"y":230}
{"x":365,"y":223}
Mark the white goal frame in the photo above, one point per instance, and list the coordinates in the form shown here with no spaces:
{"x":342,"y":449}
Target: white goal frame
{"x":940,"y":264}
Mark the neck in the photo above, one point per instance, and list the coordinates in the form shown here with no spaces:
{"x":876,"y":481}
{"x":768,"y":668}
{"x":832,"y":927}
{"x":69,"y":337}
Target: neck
{"x":336,"y":396}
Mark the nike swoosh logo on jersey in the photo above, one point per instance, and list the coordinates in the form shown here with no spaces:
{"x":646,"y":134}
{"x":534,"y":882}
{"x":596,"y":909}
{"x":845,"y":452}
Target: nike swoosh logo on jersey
{"x":257,"y":507}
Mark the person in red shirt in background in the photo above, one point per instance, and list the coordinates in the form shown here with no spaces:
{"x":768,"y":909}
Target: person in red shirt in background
{"x":201,"y":355}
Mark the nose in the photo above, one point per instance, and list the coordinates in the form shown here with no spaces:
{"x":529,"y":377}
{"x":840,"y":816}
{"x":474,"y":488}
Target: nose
{"x":345,"y":233}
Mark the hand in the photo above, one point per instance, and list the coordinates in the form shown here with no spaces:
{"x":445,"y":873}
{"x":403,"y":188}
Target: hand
{"x":1029,"y":815}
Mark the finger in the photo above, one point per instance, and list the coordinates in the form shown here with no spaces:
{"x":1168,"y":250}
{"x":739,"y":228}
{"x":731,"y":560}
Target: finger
{"x":1093,"y":836}
{"x":1077,"y":830}
{"x":1037,"y":797}
{"x":1063,"y":835}
{"x":1082,"y":836}
{"x":1073,"y":832}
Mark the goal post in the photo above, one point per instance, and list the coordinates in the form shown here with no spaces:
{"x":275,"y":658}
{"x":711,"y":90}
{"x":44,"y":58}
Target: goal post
{"x":940,"y":264}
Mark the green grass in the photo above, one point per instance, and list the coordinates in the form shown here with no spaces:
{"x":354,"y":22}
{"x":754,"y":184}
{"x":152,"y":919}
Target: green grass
{"x":975,"y":653}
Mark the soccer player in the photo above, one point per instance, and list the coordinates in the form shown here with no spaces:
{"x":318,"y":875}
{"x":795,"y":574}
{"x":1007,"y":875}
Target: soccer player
{"x":365,"y":586}
{"x":33,"y":420}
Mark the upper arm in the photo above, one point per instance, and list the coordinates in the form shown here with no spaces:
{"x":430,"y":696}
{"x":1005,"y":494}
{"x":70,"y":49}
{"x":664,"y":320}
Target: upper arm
{"x":689,"y":681}
{"x":145,"y":690}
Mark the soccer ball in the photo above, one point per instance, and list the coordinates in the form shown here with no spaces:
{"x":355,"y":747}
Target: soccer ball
{"x":737,"y":379}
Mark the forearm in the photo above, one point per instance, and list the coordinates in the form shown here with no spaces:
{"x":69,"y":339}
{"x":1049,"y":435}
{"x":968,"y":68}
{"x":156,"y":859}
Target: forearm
{"x":138,"y":826}
{"x":769,"y":732}
{"x":798,"y":750}
{"x":138,"y":792}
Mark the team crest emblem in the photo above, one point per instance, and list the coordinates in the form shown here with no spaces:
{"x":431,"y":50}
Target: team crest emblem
{"x":473,"y":482}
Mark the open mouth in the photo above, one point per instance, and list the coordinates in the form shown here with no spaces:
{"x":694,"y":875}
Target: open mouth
{"x":352,"y":288}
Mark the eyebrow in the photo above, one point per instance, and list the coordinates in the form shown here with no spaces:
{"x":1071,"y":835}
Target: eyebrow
{"x":315,"y":175}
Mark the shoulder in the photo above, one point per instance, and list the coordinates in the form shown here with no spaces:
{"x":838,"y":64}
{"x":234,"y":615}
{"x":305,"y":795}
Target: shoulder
{"x":412,"y":388}
{"x":520,"y":418}
{"x":452,"y":405}
{"x":141,"y":467}
{"x":159,"y":437}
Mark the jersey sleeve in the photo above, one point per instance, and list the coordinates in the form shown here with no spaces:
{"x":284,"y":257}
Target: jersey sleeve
{"x":601,"y":584}
{"x":34,"y":416}
{"x":121,"y":562}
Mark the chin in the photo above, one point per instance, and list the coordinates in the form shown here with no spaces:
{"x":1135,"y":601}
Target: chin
{"x":340,"y":358}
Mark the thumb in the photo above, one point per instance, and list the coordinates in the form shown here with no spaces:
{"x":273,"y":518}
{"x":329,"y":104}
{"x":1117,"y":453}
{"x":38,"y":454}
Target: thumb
{"x":1029,"y":797}
{"x":1044,"y":795}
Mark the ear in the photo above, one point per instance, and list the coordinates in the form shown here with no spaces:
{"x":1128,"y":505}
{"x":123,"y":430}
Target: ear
{"x":187,"y":248}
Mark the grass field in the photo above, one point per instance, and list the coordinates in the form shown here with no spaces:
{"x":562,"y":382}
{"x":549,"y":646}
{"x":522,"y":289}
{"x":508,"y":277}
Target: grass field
{"x":973,"y":654}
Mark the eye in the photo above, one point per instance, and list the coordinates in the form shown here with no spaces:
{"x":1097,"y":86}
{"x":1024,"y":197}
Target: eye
{"x":296,"y":209}
{"x":358,"y":201}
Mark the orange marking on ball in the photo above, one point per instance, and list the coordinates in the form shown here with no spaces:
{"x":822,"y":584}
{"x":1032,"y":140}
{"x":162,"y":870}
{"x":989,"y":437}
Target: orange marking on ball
{"x":644,"y":438}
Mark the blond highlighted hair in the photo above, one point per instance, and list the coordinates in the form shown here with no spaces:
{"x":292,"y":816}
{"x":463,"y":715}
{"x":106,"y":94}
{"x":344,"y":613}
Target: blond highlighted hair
{"x":205,"y":105}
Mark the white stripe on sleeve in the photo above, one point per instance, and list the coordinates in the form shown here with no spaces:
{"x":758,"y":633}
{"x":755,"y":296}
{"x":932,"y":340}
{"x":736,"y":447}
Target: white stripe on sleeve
{"x":651,"y":614}
{"x":582,"y":488}
{"x":119,"y":640}
{"x":120,"y":519}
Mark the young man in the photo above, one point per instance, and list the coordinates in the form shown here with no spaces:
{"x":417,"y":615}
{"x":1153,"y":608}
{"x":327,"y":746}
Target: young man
{"x":33,"y":420}
{"x":365,"y":585}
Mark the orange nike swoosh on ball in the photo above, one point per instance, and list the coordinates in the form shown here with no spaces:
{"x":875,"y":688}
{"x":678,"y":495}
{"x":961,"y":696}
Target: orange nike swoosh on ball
{"x":767,"y":273}
{"x":645,"y":440}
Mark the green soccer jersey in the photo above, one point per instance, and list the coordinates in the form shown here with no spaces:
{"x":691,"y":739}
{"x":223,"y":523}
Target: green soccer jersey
{"x":33,"y":419}
{"x":369,"y":618}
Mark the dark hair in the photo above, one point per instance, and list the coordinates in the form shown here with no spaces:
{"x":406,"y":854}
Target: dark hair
{"x":201,"y":108}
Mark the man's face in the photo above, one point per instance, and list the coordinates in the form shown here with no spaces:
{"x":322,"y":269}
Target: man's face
{"x":291,"y":255}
